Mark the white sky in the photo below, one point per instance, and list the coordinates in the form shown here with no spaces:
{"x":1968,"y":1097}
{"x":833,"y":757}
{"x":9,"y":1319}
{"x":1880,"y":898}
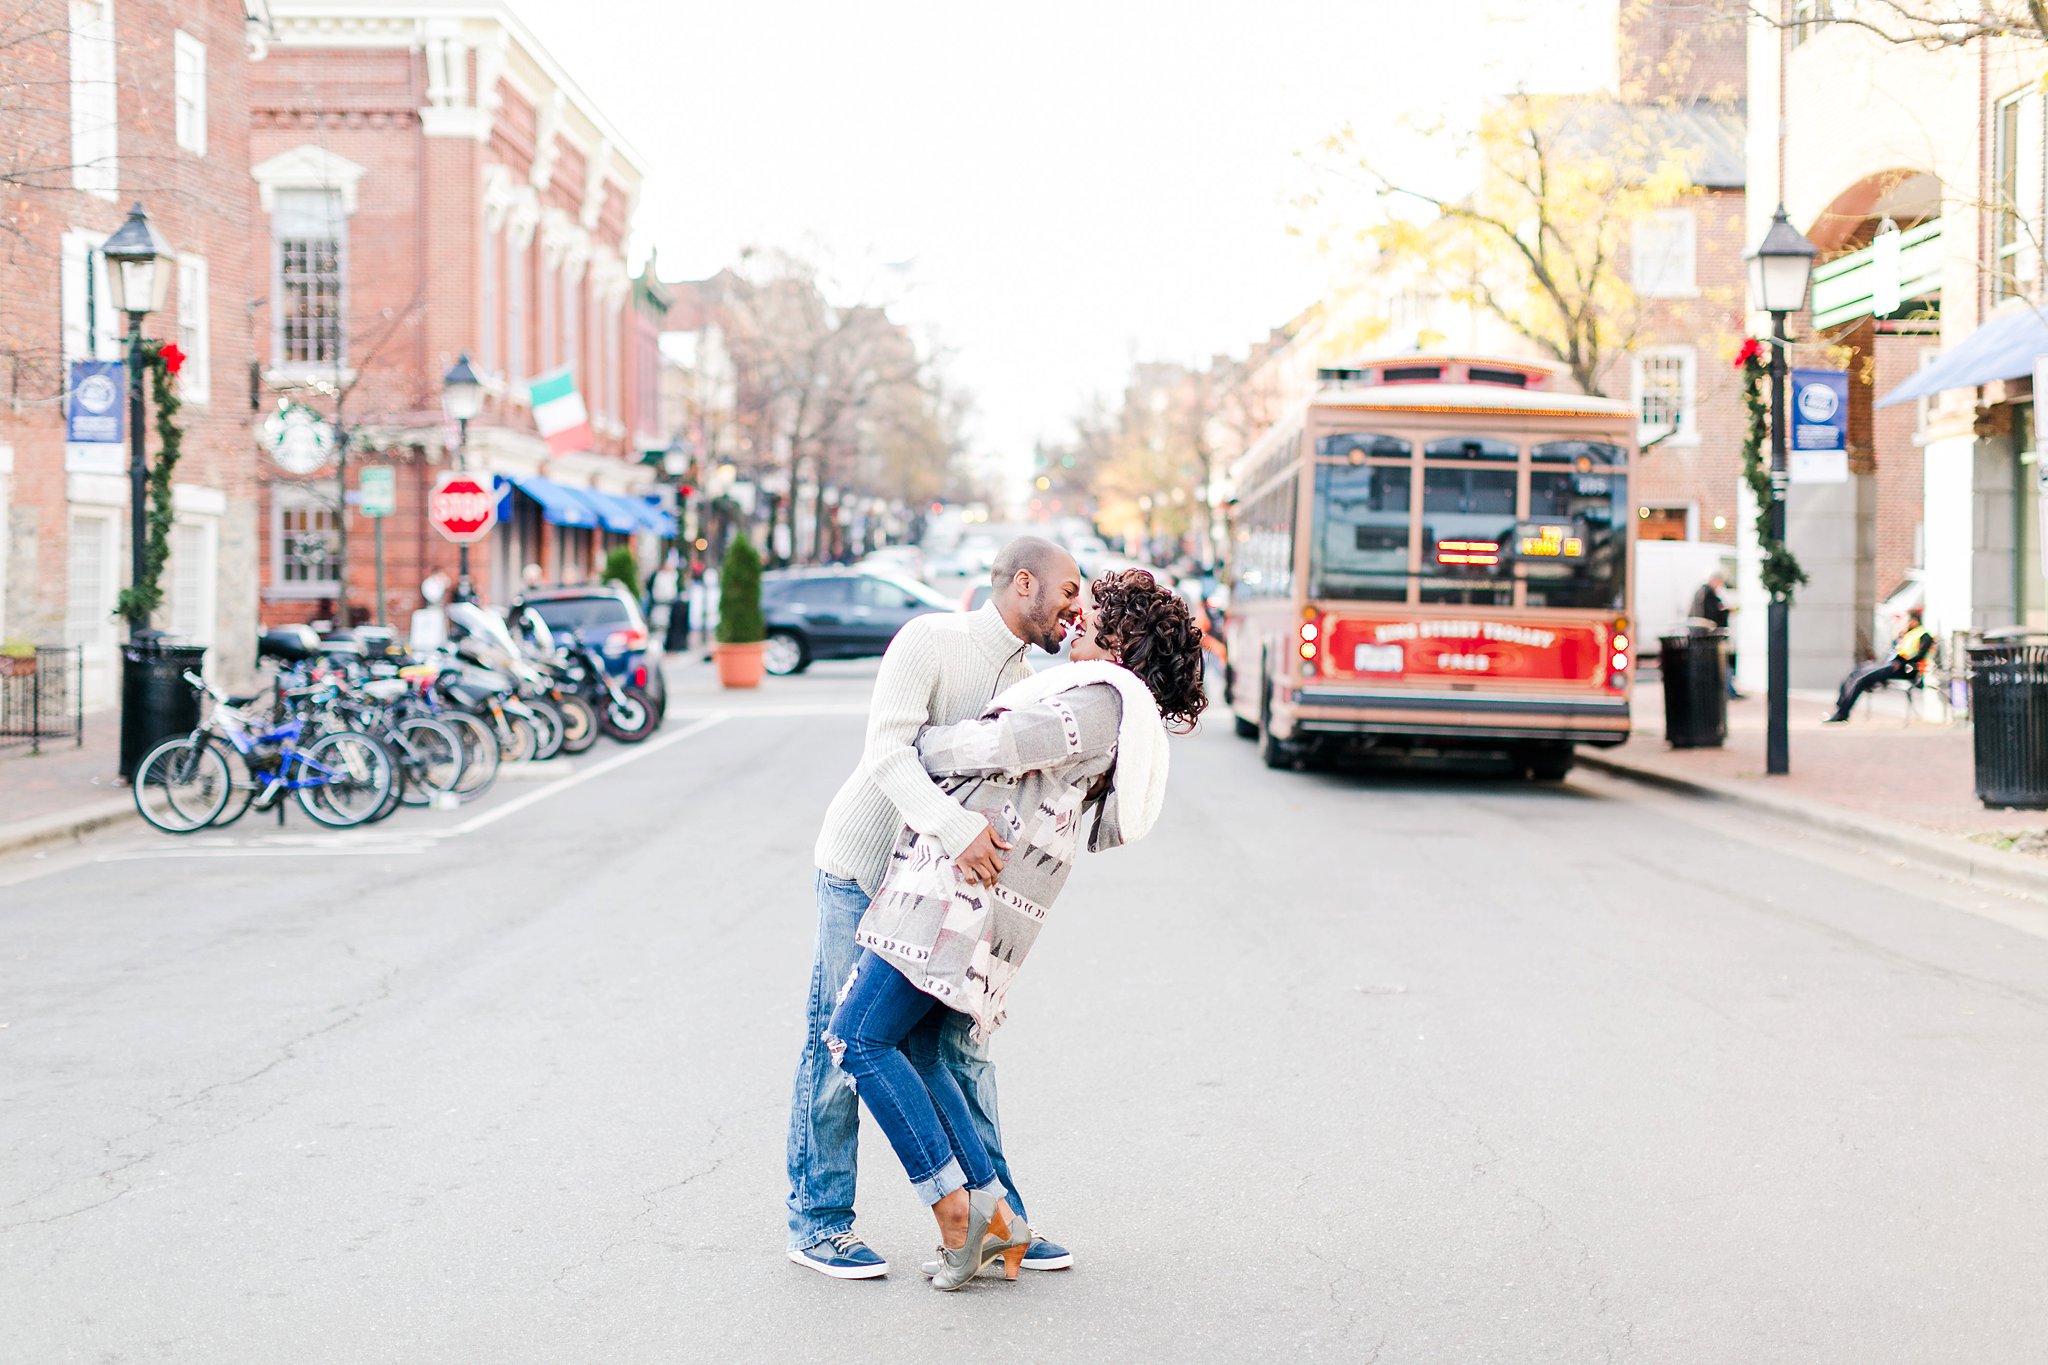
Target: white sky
{"x":1076,"y":184}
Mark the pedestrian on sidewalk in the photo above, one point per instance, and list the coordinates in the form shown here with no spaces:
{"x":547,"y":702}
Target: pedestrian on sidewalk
{"x":1910,"y":654}
{"x":940,"y":669}
{"x":1079,"y":746}
{"x":1709,"y":606}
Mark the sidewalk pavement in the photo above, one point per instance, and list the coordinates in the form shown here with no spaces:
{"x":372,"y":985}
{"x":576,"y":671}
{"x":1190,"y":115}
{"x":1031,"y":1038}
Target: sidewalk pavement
{"x":65,"y":790}
{"x":1907,"y":789}
{"x":69,"y":790}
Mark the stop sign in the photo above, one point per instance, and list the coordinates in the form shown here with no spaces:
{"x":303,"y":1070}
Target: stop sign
{"x":462,"y":507}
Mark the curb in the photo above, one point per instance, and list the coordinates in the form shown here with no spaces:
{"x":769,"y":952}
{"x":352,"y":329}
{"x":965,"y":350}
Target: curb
{"x":1993,"y":868}
{"x":23,"y":835}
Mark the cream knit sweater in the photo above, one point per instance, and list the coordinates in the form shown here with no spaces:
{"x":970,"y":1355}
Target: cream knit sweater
{"x":940,"y":669}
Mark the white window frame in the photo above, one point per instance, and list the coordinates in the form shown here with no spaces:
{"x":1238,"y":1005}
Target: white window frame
{"x":1674,"y":279}
{"x":1923,"y":406}
{"x":188,"y":61}
{"x":1688,"y":392}
{"x":292,"y":498}
{"x":195,"y":330}
{"x":95,"y":100}
{"x":281,"y":361}
{"x":90,"y":623}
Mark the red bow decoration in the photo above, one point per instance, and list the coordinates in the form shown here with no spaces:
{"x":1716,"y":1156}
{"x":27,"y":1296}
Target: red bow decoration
{"x":1751,"y":349}
{"x":174,"y":359}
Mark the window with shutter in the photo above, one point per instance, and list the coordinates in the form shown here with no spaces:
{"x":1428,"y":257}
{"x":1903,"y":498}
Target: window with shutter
{"x":1664,"y":393}
{"x":309,"y":231}
{"x":195,"y":380}
{"x":1662,"y":255}
{"x":95,"y":112}
{"x":188,"y":58}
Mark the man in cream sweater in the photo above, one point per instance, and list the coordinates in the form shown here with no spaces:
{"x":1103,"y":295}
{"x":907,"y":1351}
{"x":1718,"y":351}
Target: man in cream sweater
{"x":940,"y":669}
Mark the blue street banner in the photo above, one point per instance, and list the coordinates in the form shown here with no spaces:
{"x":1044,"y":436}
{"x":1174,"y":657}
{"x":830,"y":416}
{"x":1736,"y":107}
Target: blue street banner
{"x":93,"y":414}
{"x":1820,"y":410}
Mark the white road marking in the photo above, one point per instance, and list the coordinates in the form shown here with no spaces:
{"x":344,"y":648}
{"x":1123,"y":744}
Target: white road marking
{"x":533,"y":798}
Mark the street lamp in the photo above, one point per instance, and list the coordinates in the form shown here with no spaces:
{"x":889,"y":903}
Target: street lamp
{"x":139,"y":265}
{"x":462,"y":397}
{"x":1779,"y":269}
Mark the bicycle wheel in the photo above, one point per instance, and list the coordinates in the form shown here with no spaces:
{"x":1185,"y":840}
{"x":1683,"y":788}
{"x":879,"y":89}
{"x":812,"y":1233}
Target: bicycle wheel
{"x":579,"y":724}
{"x":182,"y":785}
{"x":518,"y":741}
{"x":354,"y":775}
{"x":479,"y":753}
{"x":630,"y":719}
{"x":394,"y":798}
{"x":547,"y":728}
{"x":431,"y":755}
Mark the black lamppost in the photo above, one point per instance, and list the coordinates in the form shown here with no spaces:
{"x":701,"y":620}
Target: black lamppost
{"x":462,"y":397}
{"x":679,"y":461}
{"x":139,"y":265}
{"x":1778,"y":272}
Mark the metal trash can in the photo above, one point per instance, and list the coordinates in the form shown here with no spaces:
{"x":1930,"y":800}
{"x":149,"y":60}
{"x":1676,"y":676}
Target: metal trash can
{"x":1695,"y":689}
{"x":2009,"y":713}
{"x":156,"y":701}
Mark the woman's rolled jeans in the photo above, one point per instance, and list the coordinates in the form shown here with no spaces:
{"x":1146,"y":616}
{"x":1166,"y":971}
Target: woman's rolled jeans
{"x":885,"y":1035}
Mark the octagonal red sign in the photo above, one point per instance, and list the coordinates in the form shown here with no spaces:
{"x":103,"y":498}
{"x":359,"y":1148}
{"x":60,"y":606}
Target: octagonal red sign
{"x":462,"y":507}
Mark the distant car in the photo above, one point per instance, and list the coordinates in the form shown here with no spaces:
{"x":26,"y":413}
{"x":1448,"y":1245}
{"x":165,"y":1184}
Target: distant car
{"x":818,"y":614}
{"x":609,"y":621}
{"x":902,"y":561}
{"x":974,"y":598}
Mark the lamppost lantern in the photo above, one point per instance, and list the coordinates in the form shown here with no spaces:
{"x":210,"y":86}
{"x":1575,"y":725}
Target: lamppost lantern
{"x":1780,"y":267}
{"x":139,"y":263}
{"x":676,"y":459}
{"x":462,"y":393}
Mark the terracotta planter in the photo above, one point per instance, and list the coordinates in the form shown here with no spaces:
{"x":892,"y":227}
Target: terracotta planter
{"x":739,"y":665}
{"x":13,"y":666}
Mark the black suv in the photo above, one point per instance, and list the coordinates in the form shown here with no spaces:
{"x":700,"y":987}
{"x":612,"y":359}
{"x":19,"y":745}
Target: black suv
{"x":837,"y":614}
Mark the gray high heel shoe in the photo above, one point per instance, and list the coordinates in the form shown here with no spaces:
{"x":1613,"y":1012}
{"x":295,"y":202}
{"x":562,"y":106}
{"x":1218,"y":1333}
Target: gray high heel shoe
{"x":957,"y":1265}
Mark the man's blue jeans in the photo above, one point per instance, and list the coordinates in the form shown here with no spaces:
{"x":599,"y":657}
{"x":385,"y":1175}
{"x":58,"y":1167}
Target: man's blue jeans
{"x":824,"y":1112}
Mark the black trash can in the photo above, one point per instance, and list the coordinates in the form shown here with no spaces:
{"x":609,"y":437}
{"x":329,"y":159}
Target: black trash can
{"x":1695,"y":689}
{"x":156,"y":701}
{"x":2009,"y":713}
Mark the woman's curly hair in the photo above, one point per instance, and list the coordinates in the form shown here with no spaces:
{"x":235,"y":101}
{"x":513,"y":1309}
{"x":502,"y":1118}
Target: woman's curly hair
{"x":1150,"y":629}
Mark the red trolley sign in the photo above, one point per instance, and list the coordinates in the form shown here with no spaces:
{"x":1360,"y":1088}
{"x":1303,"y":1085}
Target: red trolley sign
{"x":462,"y":507}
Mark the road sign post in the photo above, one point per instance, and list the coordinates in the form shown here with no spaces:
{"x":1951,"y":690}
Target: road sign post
{"x":463,"y":508}
{"x":377,"y":498}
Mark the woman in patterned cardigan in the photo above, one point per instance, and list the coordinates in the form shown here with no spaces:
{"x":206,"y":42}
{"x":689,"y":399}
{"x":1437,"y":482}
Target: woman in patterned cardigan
{"x":1083,"y":744}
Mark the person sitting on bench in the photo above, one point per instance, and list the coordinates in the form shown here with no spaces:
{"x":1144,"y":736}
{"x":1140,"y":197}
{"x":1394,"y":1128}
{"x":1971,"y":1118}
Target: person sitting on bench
{"x":1909,"y":656}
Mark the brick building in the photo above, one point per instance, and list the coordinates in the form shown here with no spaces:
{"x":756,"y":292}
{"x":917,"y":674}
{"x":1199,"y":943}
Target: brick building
{"x":429,"y":183}
{"x":1917,"y":170}
{"x":141,"y":100}
{"x":1684,"y":82}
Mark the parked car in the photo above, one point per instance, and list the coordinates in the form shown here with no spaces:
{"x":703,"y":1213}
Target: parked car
{"x":837,"y":614}
{"x":609,"y":621}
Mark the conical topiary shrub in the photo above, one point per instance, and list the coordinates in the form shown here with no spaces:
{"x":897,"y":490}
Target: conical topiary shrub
{"x":621,"y":568}
{"x":741,"y":627}
{"x":739,"y":596}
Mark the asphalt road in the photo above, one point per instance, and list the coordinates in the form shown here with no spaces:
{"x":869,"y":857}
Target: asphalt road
{"x":1334,"y":1067}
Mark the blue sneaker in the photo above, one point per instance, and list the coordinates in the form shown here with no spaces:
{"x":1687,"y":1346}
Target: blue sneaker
{"x":843,"y":1256}
{"x":1045,"y":1255}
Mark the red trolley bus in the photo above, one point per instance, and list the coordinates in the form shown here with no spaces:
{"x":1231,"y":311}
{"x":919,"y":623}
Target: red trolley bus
{"x":1434,"y":554}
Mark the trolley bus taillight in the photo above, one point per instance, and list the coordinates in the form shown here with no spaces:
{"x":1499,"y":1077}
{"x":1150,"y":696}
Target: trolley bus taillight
{"x":1619,"y":659}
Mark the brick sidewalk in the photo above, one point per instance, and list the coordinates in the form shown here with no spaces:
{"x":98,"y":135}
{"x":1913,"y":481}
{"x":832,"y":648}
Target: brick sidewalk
{"x":64,"y":774}
{"x":1921,"y":774}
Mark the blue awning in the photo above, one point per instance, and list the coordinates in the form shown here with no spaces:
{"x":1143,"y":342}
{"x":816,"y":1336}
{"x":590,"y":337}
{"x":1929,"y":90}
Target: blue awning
{"x":2003,"y":348}
{"x":659,"y":519}
{"x":559,"y":505}
{"x":618,"y":514}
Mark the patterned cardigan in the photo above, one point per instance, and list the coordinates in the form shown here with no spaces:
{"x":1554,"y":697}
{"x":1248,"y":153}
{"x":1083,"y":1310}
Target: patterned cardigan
{"x":1030,"y":770}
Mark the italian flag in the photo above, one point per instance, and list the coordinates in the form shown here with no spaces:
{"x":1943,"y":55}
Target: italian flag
{"x":559,"y":412}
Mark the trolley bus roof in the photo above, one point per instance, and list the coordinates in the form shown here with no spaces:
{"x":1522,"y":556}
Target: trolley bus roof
{"x":1482,"y":399}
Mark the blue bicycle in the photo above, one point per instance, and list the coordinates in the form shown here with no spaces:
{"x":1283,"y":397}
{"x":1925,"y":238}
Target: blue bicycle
{"x":339,"y":777}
